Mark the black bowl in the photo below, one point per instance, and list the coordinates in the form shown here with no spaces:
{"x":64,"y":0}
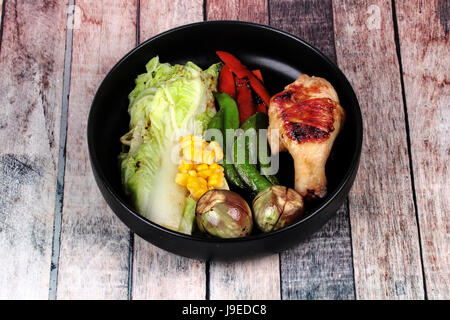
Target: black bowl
{"x":281,"y":58}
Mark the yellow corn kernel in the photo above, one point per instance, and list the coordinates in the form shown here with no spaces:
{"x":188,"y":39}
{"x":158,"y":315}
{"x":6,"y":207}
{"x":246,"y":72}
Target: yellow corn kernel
{"x":192,"y":183}
{"x":181,"y":179}
{"x":199,"y":142}
{"x":198,"y":171}
{"x":208,"y":157}
{"x":186,"y":149}
{"x":202,"y":181}
{"x":201,"y":167}
{"x":218,"y":152}
{"x":186,"y":154}
{"x":215,"y":181}
{"x":215,"y":184}
{"x":204,"y":173}
{"x":181,"y":170}
{"x":216,"y":175}
{"x":193,"y":192}
{"x":197,"y":187}
{"x":185,"y":166}
{"x":198,"y":193}
{"x":192,"y":173}
{"x":216,"y":168}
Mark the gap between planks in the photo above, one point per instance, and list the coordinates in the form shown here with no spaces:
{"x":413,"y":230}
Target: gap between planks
{"x":59,"y":197}
{"x":408,"y":138}
{"x":132,"y":235}
{"x":2,"y":14}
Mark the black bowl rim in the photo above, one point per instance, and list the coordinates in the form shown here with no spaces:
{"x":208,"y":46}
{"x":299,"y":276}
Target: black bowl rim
{"x":354,"y":162}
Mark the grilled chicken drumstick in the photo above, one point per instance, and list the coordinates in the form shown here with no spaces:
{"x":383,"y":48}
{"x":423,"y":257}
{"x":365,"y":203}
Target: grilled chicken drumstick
{"x":308,"y":117}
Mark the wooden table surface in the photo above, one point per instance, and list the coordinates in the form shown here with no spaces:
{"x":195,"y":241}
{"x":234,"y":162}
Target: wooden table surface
{"x":59,"y":239}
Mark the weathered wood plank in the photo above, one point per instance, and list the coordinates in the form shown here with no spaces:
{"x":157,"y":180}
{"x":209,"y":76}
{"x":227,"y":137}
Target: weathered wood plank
{"x":255,"y":278}
{"x":157,"y":16}
{"x":94,"y":251}
{"x":424,"y":41}
{"x":244,"y":10}
{"x":386,"y":251}
{"x":311,"y":20}
{"x":321,"y":266}
{"x":158,"y":274}
{"x":31,"y":64}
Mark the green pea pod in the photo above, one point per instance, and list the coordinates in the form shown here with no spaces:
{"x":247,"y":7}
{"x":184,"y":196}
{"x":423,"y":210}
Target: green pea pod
{"x":258,"y":121}
{"x":247,"y":171}
{"x":231,"y":112}
{"x":216,"y":122}
{"x":228,"y":118}
{"x":272,"y":178}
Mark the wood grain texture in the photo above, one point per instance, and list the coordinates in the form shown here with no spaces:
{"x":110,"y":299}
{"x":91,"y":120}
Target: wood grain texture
{"x":94,"y":251}
{"x":321,"y":266}
{"x":424,"y":41}
{"x":244,"y":10}
{"x":311,"y":20}
{"x":158,"y":274}
{"x":31,"y":67}
{"x":256,"y":278}
{"x":157,"y":16}
{"x":386,"y":251}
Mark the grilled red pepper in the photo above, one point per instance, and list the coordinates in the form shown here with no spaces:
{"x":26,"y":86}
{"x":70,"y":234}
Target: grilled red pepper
{"x":226,"y":82}
{"x":258,"y":74}
{"x":241,"y":71}
{"x":244,"y":99}
{"x":260,"y":105}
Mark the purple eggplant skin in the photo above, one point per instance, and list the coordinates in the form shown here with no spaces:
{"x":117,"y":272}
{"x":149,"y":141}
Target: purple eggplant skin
{"x":277,"y":207}
{"x":224,"y":214}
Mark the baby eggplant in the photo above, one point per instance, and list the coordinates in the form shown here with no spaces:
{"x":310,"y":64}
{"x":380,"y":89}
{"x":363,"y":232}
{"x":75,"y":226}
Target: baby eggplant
{"x":277,"y":207}
{"x":224,"y":214}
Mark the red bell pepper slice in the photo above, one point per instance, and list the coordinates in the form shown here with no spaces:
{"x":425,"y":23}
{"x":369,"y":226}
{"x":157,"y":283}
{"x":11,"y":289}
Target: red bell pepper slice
{"x":244,"y":99}
{"x":260,"y":105}
{"x":226,"y":82}
{"x":235,"y":65}
{"x":258,"y":74}
{"x":241,"y":71}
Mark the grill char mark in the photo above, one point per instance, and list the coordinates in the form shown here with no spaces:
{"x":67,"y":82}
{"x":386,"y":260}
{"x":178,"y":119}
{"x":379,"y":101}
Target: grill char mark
{"x":303,"y":132}
{"x":310,"y":120}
